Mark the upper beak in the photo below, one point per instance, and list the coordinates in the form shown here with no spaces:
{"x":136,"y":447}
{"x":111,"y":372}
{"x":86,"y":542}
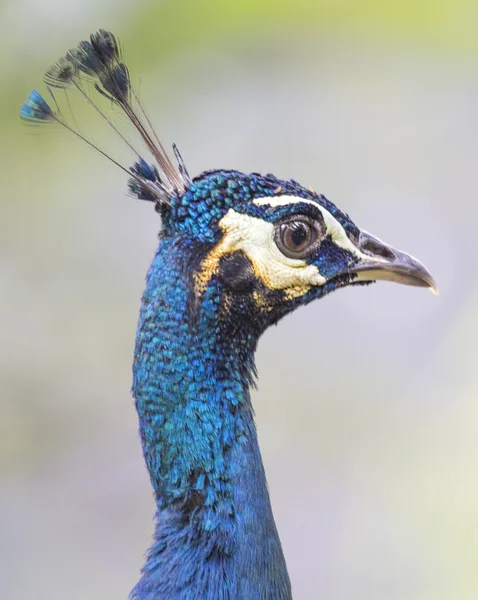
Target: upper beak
{"x":381,"y":261}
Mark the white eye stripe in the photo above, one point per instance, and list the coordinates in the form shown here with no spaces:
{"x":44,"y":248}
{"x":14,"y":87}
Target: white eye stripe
{"x":334,"y":228}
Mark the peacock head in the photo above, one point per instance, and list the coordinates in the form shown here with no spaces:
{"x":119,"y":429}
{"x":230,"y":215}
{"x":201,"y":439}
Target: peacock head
{"x":271,"y":245}
{"x":263,"y":245}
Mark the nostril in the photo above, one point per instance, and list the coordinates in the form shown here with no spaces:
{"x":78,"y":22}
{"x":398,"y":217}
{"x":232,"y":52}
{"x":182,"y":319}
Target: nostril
{"x":373,"y":247}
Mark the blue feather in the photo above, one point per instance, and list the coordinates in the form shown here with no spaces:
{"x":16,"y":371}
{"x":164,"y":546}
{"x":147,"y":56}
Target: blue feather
{"x":215,"y":534}
{"x":36,"y":109}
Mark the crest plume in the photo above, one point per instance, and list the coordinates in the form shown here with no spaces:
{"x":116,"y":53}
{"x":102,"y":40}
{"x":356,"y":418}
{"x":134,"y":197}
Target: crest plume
{"x":96,"y":66}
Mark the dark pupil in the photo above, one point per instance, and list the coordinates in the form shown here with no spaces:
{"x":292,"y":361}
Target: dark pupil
{"x":297,"y":236}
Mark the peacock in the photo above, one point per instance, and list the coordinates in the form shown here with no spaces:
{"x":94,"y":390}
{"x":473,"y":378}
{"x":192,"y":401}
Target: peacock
{"x":236,"y":253}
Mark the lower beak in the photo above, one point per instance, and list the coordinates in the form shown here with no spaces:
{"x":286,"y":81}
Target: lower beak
{"x":380,"y":261}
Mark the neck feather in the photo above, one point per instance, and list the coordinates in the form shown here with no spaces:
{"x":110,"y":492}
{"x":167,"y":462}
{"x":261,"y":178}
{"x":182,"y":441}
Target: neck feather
{"x":215,"y":534}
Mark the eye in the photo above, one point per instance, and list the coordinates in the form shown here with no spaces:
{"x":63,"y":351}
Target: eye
{"x":297,"y":237}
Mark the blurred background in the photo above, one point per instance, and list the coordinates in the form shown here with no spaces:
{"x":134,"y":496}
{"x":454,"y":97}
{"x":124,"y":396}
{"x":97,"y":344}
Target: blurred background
{"x":367,"y":405}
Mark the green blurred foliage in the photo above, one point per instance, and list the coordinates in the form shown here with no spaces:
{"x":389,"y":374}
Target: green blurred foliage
{"x":151,"y":30}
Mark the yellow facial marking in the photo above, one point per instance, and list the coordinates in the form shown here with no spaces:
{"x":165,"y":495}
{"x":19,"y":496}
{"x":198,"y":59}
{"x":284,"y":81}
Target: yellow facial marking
{"x":261,"y":302}
{"x":297,"y":291}
{"x":255,"y":237}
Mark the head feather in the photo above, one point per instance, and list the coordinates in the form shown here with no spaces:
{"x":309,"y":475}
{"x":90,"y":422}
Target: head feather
{"x":98,"y":62}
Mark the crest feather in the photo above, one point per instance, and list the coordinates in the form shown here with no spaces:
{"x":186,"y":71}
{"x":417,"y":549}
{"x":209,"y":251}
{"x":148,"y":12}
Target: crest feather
{"x":96,"y":65}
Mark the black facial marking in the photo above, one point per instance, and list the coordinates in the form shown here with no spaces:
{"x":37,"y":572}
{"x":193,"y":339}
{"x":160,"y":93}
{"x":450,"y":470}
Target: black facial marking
{"x":235,"y":271}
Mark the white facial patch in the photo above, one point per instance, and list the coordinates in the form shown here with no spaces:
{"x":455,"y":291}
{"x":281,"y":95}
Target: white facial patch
{"x":255,"y":237}
{"x":334,"y":228}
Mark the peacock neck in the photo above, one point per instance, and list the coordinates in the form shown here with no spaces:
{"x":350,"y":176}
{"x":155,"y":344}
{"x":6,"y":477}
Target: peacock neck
{"x":215,"y":535}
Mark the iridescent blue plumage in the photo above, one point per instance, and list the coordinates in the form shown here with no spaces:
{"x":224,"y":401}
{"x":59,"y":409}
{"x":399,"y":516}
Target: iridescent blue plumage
{"x":35,"y":109}
{"x":237,"y":252}
{"x":211,"y":195}
{"x":215,"y":535}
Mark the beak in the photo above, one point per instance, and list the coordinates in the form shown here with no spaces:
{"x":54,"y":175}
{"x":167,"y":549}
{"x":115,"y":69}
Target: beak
{"x":380,"y":261}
